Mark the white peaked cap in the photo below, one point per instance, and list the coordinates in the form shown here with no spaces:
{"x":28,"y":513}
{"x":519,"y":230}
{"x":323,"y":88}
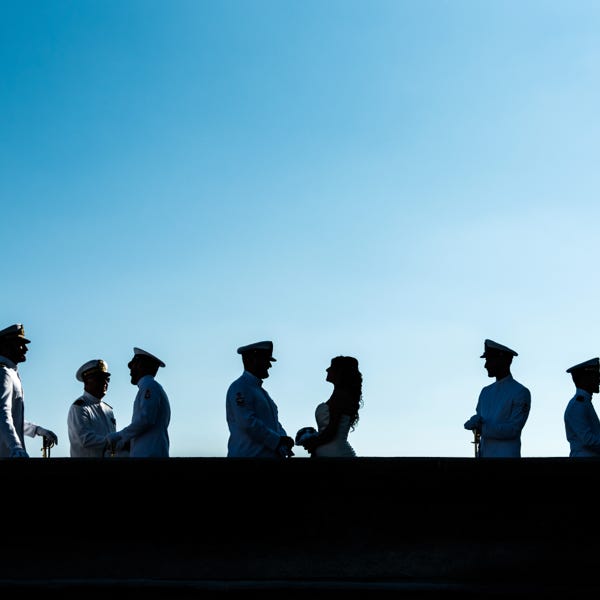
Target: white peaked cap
{"x":140,"y":352}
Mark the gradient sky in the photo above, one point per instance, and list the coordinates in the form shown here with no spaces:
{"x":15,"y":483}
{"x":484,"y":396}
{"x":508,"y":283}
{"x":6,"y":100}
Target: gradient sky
{"x":393,"y":180}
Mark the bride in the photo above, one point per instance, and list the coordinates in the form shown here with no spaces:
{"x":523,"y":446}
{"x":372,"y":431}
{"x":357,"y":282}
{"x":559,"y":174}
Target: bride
{"x":337,"y":417}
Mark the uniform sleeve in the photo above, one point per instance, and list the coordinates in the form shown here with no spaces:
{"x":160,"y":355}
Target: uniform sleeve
{"x":29,"y":428}
{"x":146,"y":410}
{"x":510,"y":428}
{"x":242,"y":409}
{"x":7,"y":429}
{"x":578,"y":418}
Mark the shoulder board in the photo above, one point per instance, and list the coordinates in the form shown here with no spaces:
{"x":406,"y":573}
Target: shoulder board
{"x":579,"y":398}
{"x":107,"y":404}
{"x":79,"y":402}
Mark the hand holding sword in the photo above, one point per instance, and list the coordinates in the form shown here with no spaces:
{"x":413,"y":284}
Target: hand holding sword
{"x":474,"y":424}
{"x":47,"y":444}
{"x":476,"y":440}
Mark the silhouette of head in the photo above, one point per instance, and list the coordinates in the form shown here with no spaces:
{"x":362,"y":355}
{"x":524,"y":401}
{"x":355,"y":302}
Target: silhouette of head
{"x":343,"y":371}
{"x":13,"y":343}
{"x":498,"y":359}
{"x":257,"y":358}
{"x":143,"y":363}
{"x":346,"y":378}
{"x":586,"y":375}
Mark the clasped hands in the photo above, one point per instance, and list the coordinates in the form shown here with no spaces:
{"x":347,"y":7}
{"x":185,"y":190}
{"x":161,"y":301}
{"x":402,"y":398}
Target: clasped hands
{"x":474,"y":423}
{"x":284,"y":447}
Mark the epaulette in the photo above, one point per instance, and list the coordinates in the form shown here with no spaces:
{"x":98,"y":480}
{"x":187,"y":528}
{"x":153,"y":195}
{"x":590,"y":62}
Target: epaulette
{"x":79,"y":402}
{"x":107,"y":404}
{"x":579,"y":398}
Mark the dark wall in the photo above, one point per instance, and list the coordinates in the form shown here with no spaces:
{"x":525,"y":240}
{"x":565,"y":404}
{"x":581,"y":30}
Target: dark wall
{"x":403,"y":524}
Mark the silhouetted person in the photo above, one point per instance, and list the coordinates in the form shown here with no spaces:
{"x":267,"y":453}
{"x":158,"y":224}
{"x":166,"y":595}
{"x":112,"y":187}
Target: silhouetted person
{"x":502,"y":408}
{"x":338,"y":416}
{"x":90,"y":420}
{"x":252,"y":415}
{"x":148,"y":432}
{"x":582,"y":426}
{"x":13,"y":425}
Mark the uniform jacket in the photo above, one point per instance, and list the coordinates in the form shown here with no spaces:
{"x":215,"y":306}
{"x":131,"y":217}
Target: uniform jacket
{"x":89,"y":421}
{"x":504,"y":407}
{"x":252,"y":418}
{"x":148,"y":431}
{"x":13,"y":426}
{"x":582,"y":426}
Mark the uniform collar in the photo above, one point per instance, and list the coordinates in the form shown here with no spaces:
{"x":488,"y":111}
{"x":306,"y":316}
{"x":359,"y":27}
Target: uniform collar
{"x":253,"y":378}
{"x":584,"y":393}
{"x":8,"y":362}
{"x":142,"y":380}
{"x":90,"y":399}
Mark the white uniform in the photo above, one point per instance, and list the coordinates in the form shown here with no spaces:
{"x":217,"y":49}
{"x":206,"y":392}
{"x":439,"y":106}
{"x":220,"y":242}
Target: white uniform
{"x":148,"y":432}
{"x":582,"y":425}
{"x":339,"y":445}
{"x":89,"y":421}
{"x":252,"y":418}
{"x":504,"y":407}
{"x":13,"y":426}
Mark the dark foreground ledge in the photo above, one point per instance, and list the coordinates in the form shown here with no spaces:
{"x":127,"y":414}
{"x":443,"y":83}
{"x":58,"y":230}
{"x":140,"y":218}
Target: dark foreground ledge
{"x":195,"y":527}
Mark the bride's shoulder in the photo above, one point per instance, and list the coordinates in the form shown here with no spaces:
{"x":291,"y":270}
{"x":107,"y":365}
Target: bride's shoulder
{"x":322,"y":407}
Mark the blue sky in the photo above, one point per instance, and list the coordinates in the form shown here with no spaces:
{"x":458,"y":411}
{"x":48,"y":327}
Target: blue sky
{"x":393,"y":180}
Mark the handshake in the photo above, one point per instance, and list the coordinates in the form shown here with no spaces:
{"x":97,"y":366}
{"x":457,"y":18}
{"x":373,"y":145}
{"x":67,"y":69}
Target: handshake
{"x":114,"y":442}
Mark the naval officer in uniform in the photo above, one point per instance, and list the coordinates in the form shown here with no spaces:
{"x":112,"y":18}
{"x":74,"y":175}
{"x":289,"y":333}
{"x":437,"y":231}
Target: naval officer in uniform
{"x":252,"y":415}
{"x":148,"y":432}
{"x":502,"y":408}
{"x":13,"y":425}
{"x":90,"y":420}
{"x":582,"y":426}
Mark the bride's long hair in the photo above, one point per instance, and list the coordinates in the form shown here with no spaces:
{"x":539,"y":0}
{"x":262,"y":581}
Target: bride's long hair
{"x":347,"y":389}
